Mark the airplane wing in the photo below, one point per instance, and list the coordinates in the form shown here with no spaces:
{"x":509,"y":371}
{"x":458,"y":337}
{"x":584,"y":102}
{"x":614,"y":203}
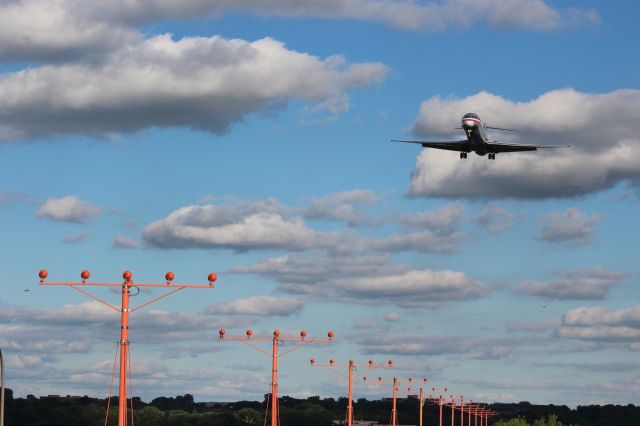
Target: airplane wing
{"x":495,"y":147}
{"x":460,"y":146}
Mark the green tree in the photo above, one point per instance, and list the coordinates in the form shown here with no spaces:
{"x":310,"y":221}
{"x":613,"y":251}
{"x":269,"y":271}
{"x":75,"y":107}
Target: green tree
{"x":512,"y":422}
{"x":248,"y":416}
{"x":149,"y":415}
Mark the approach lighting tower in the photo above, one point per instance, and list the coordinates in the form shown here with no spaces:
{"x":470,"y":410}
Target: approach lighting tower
{"x":421,"y":396}
{"x":472,"y":409}
{"x":351,"y":365}
{"x":438,"y":401}
{"x":394,"y":409}
{"x":453,"y":409}
{"x":125,"y":310}
{"x":277,"y":340}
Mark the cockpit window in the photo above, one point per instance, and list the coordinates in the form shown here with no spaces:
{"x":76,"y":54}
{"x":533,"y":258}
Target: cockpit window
{"x":471,"y":115}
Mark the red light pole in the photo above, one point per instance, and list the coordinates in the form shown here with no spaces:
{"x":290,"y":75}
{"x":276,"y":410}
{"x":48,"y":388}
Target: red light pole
{"x":438,"y":401}
{"x":352,"y":369}
{"x":125,"y":310}
{"x":276,"y":339}
{"x":470,"y":407}
{"x":487,"y":413}
{"x":481,"y":414}
{"x":475,"y":415}
{"x":394,"y":410}
{"x":421,"y":399}
{"x":461,"y":410}
{"x":453,"y":407}
{"x":1,"y":389}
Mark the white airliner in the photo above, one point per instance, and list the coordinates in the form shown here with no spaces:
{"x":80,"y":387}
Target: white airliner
{"x":478,"y":142}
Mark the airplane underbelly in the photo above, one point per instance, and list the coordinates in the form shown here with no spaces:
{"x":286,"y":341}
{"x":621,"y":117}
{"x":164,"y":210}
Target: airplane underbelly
{"x":479,"y":147}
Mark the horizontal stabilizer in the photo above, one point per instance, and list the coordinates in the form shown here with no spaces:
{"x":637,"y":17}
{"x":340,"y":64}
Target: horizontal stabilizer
{"x":500,"y":128}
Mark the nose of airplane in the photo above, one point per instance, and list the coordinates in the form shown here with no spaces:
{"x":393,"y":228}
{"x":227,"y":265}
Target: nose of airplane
{"x":469,"y":122}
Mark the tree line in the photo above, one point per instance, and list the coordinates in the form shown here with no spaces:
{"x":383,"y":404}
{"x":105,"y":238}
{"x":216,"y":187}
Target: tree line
{"x":183,"y":410}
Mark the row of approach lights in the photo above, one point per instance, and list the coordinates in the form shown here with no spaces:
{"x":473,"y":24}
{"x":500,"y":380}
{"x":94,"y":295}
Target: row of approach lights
{"x":276,"y":334}
{"x":212,"y":277}
{"x":127,"y":275}
{"x":351,"y":362}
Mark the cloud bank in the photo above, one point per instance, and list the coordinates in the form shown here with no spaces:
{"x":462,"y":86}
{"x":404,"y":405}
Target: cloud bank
{"x":598,"y":324}
{"x":270,"y":225}
{"x":199,"y":82}
{"x":57,"y":30}
{"x":366,"y":278}
{"x":572,"y":227}
{"x":259,"y":305}
{"x":580,"y":284}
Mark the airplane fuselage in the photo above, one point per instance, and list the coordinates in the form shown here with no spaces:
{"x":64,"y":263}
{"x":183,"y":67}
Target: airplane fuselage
{"x":476,"y":133}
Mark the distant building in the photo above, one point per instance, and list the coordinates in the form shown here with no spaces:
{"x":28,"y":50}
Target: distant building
{"x":62,"y":398}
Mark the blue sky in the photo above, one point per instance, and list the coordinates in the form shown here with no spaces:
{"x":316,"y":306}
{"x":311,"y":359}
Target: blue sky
{"x":254,"y":141}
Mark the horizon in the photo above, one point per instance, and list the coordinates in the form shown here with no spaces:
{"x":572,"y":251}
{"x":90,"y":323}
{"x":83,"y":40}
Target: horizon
{"x":254,"y":141}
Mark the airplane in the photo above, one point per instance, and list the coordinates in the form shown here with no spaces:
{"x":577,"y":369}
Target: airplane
{"x":478,"y":142}
{"x":26,"y":290}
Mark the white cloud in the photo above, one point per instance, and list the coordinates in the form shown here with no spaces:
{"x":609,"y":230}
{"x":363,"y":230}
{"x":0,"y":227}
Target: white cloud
{"x":596,"y":315}
{"x":90,"y":312}
{"x":54,"y":30}
{"x":580,"y":284}
{"x":600,"y":333}
{"x":592,"y":366}
{"x":443,"y":221}
{"x":601,"y":129}
{"x":424,"y":241}
{"x":298,"y":273}
{"x":77,"y":328}
{"x":368,"y":279}
{"x":598,"y":324}
{"x":327,"y":111}
{"x":495,"y":219}
{"x":413,"y":288}
{"x":271,"y":225}
{"x":468,"y":346}
{"x":406,"y":14}
{"x":198,"y":82}
{"x":541,"y":326}
{"x":68,"y":209}
{"x":248,"y":228}
{"x":125,"y":242}
{"x":76,"y":238}
{"x":392,"y":317}
{"x":571,"y":227}
{"x":342,"y":206}
{"x":259,"y":305}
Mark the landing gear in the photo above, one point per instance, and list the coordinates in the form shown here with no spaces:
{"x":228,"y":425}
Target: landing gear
{"x":463,"y":155}
{"x":492,"y":156}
